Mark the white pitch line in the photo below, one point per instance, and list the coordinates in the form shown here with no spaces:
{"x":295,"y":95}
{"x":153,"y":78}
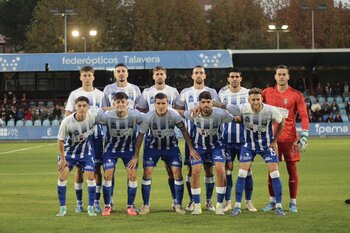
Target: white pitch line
{"x":23,"y":149}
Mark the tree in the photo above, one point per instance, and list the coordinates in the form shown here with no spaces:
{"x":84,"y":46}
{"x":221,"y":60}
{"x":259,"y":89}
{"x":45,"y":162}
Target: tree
{"x":15,"y":16}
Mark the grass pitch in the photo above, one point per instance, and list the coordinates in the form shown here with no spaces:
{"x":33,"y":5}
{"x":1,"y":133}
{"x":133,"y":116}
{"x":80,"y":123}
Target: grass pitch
{"x":28,"y":196}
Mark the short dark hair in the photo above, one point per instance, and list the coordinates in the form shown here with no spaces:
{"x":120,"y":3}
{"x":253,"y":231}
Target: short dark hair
{"x":255,"y":91}
{"x":281,"y":67}
{"x":235,"y":70}
{"x":87,"y":69}
{"x":157,"y":68}
{"x":120,"y":95}
{"x":161,"y":96}
{"x":205,"y":95}
{"x":82,"y":98}
{"x":121,"y":65}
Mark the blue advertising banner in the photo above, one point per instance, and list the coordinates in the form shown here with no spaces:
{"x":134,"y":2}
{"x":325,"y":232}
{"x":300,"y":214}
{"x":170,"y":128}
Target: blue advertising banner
{"x":328,"y":129}
{"x":107,"y":61}
{"x":28,"y":133}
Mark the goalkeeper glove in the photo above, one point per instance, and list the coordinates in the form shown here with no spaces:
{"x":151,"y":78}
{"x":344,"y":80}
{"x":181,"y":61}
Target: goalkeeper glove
{"x":302,"y":142}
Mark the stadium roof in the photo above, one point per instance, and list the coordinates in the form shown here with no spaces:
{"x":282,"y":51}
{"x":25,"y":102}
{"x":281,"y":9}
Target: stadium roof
{"x":291,"y":57}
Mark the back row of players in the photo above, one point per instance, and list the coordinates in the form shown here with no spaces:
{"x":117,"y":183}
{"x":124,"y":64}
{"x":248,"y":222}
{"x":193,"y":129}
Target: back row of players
{"x":213,"y":136}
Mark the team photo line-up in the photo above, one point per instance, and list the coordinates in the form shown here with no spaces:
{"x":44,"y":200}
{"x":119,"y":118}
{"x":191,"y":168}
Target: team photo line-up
{"x":216,"y":128}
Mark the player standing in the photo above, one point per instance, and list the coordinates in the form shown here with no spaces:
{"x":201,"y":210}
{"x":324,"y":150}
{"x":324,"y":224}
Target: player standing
{"x":95,"y":97}
{"x":233,"y":135}
{"x":290,"y":102}
{"x":258,"y":119}
{"x":78,"y":150}
{"x":159,"y":77}
{"x":188,"y":99}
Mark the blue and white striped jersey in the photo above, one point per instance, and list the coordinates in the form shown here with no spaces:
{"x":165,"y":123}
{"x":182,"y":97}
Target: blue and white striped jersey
{"x":95,"y":98}
{"x":135,"y":98}
{"x":159,"y":130}
{"x":258,"y":127}
{"x":121,"y":131}
{"x":206,"y":132}
{"x":149,"y":94}
{"x":76,"y":134}
{"x":233,"y":132}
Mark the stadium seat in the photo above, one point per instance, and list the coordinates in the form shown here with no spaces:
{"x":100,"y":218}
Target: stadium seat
{"x":32,"y":104}
{"x":345,"y":118}
{"x":28,"y":123}
{"x":41,"y":103}
{"x":342,"y":111}
{"x":55,"y":122}
{"x":321,"y":100}
{"x":312,"y":98}
{"x":339,"y":100}
{"x":341,"y":106}
{"x":46,"y":122}
{"x":19,"y":123}
{"x":49,"y":104}
{"x":11,"y":123}
{"x":330,"y":99}
{"x":37,"y":122}
{"x":346,"y":99}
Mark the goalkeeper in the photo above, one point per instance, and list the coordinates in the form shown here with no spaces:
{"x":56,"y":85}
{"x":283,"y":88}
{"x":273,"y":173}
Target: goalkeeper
{"x":290,"y":144}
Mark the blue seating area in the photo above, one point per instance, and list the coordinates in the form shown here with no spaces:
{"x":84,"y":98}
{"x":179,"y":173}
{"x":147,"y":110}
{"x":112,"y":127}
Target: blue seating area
{"x":28,"y":123}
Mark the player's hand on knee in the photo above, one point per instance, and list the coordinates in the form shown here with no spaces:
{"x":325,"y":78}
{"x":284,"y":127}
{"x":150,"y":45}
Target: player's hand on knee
{"x":302,"y":142}
{"x":133,"y":163}
{"x":195,"y":155}
{"x":61,"y":165}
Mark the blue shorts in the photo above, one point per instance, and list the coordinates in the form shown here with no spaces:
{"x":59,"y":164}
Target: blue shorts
{"x":172,"y":157}
{"x":247,"y":155}
{"x":110,"y":158}
{"x":210,"y":156}
{"x":86,"y":163}
{"x":232,"y":150}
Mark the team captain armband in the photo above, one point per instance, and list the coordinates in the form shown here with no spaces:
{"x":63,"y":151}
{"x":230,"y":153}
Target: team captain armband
{"x":180,"y":124}
{"x":284,"y":112}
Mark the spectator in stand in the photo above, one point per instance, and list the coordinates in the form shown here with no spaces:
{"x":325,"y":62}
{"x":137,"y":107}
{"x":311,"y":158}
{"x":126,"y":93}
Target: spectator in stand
{"x":346,"y":92}
{"x":57,"y":112}
{"x":337,"y":89}
{"x":334,"y":107}
{"x":330,"y":118}
{"x":23,"y":101}
{"x":318,"y":89}
{"x":3,"y":113}
{"x":14,"y":100}
{"x":11,"y":113}
{"x":325,"y":108}
{"x":315,"y":106}
{"x":28,"y":115}
{"x":311,"y":116}
{"x":308,"y":103}
{"x":347,"y":108}
{"x":338,"y":118}
{"x":302,"y":85}
{"x":43,"y":113}
{"x":328,"y":90}
{"x":20,"y":114}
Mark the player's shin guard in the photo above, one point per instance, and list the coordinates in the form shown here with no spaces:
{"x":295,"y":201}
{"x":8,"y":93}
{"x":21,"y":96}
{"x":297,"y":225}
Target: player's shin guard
{"x":220,"y":194}
{"x":146,"y":190}
{"x":79,"y":193}
{"x":249,"y":186}
{"x":107,"y":192}
{"x":188,"y":186}
{"x":209,"y":186}
{"x":229,"y":185}
{"x":196,"y":195}
{"x":62,"y":190}
{"x":293,"y":179}
{"x":132,"y":188}
{"x":179,"y":191}
{"x":91,"y":191}
{"x":240,"y":184}
{"x":277,"y":186}
{"x":171,"y":183}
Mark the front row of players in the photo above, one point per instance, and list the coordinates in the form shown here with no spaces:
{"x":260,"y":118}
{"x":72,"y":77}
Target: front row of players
{"x":75,"y":140}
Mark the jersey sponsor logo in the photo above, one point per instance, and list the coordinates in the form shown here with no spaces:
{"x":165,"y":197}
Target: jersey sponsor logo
{"x":163,"y":133}
{"x":175,"y":163}
{"x":256,"y":128}
{"x":217,"y":157}
{"x":122,"y":132}
{"x":149,"y":161}
{"x":207,"y":132}
{"x":267,"y":158}
{"x":245,"y":157}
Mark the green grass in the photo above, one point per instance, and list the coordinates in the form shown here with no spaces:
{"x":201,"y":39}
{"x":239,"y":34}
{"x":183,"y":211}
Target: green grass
{"x":28,"y":197}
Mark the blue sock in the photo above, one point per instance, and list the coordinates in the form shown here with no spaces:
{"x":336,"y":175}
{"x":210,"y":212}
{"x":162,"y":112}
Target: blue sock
{"x":107,"y":191}
{"x":62,"y":190}
{"x":179,"y":191}
{"x":79,"y":193}
{"x":188,"y":186}
{"x":220,"y":194}
{"x":112,"y":185}
{"x":91,"y":191}
{"x":228,"y":185}
{"x":277,"y":189}
{"x":249,"y":187}
{"x":146,"y":190}
{"x":240,"y":184}
{"x":209,"y":186}
{"x":196,"y":195}
{"x":132,"y":188}
{"x":172,"y":188}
